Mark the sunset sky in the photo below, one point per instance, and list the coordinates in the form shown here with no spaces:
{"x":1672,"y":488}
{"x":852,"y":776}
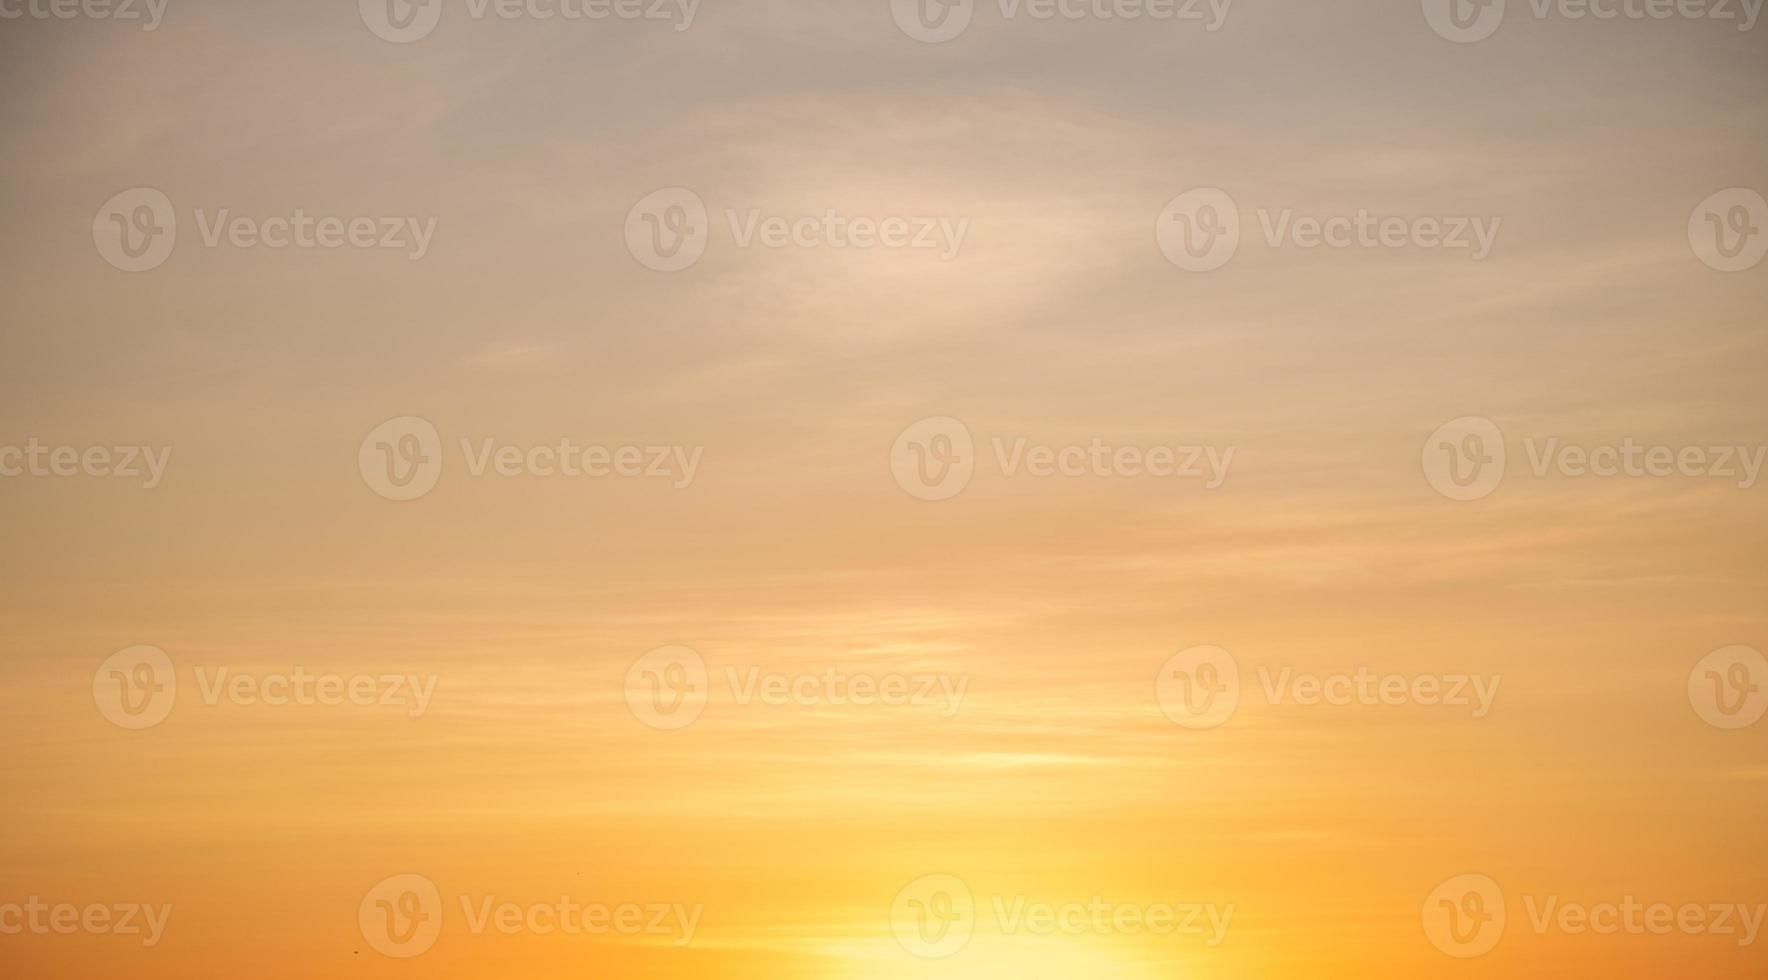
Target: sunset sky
{"x":1038,"y":615}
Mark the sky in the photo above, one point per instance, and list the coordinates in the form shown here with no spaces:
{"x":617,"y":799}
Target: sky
{"x":791,"y":493}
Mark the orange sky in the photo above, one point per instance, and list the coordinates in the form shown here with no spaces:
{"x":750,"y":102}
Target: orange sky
{"x":1029,"y":628}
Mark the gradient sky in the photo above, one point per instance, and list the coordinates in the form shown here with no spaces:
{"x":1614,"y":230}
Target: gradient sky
{"x":795,"y":550}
